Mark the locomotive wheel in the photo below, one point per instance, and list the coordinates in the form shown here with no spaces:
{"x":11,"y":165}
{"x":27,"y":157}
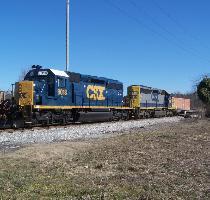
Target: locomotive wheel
{"x":18,"y":124}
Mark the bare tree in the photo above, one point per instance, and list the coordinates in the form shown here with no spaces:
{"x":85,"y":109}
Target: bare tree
{"x":23,"y":73}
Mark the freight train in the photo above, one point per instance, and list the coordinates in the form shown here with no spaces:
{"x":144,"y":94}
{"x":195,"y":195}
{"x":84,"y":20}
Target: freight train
{"x":48,"y":96}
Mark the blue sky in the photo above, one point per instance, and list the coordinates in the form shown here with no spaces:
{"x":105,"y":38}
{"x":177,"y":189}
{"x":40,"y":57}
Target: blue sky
{"x":158,"y":43}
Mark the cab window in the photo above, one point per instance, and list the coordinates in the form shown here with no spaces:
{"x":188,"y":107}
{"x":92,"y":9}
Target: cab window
{"x":61,"y":82}
{"x":51,"y":87}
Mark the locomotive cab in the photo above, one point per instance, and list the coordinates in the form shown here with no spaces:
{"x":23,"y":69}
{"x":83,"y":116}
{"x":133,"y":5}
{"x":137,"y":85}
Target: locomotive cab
{"x":50,"y":87}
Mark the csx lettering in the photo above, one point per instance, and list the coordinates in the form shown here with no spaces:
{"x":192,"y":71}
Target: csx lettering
{"x":95,"y":92}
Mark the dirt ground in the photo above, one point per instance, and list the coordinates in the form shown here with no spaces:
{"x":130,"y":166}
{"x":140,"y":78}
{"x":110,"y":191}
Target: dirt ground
{"x":168,"y":162}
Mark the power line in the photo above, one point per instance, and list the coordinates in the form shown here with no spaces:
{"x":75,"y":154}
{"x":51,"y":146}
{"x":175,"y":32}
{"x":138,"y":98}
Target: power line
{"x":178,"y":24}
{"x":181,"y":42}
{"x":140,"y":22}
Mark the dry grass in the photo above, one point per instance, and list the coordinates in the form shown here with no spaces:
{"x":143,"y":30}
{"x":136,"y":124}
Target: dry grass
{"x":170,"y":162}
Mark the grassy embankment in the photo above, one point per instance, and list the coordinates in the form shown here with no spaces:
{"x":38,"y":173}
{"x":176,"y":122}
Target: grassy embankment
{"x":171,"y":162}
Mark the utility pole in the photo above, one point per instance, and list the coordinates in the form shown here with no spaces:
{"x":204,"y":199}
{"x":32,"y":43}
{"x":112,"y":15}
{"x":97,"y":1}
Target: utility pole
{"x":13,"y":90}
{"x":67,"y":33}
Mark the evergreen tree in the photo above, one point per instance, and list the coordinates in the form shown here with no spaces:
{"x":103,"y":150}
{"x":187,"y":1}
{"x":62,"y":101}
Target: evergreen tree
{"x":203,"y":91}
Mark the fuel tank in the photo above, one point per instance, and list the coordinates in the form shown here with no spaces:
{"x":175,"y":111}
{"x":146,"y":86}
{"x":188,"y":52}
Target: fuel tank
{"x":94,"y":116}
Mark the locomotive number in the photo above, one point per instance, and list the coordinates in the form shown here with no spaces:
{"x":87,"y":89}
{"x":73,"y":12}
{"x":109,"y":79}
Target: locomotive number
{"x":62,"y":92}
{"x":95,"y":92}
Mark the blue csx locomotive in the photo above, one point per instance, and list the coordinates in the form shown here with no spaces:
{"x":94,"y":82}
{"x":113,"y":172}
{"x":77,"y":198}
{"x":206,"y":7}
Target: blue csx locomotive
{"x":48,"y":96}
{"x":58,"y":89}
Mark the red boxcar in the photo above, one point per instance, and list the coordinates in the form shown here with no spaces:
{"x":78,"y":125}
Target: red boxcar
{"x":181,"y":103}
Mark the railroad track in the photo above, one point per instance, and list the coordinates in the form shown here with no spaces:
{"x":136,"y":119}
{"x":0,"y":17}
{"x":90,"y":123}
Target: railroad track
{"x":66,"y":126}
{"x":49,"y":126}
{"x":41,"y":135}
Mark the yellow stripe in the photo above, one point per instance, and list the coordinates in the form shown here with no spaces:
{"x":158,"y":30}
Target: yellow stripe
{"x":151,"y":108}
{"x":78,"y":107}
{"x":172,"y":108}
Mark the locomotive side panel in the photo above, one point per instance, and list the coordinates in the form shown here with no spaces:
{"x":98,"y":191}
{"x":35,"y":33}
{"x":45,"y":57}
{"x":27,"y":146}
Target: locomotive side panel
{"x":153,"y":98}
{"x":147,"y":98}
{"x":97,"y":92}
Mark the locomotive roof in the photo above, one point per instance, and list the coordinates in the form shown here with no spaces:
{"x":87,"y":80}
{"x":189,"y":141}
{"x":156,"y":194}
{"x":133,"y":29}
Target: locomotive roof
{"x":59,"y":73}
{"x":39,"y":71}
{"x":151,"y":88}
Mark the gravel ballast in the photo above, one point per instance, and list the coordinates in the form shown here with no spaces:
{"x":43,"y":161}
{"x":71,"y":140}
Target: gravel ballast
{"x":71,"y":132}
